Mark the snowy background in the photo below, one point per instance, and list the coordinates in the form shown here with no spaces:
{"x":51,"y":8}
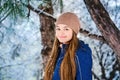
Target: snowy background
{"x":20,"y":42}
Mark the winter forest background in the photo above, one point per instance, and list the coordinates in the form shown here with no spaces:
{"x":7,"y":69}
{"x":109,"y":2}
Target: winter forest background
{"x":24,"y":44}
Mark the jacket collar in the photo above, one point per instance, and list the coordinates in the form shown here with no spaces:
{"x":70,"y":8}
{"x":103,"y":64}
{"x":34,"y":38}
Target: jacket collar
{"x":62,"y":50}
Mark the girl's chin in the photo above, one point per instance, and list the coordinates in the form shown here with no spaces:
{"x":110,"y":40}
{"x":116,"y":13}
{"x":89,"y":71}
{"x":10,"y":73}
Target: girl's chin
{"x":62,"y":42}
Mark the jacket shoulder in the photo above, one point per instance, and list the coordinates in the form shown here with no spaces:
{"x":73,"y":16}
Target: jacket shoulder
{"x":84,"y":53}
{"x":84,"y":47}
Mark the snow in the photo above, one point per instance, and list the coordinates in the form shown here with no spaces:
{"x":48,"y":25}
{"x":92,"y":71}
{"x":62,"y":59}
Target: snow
{"x":20,"y":43}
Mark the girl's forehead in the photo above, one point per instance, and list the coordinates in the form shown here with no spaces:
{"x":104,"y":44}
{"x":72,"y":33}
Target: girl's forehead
{"x":62,"y":25}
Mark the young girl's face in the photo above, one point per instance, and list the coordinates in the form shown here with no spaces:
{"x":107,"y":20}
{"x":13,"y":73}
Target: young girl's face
{"x":63,"y":33}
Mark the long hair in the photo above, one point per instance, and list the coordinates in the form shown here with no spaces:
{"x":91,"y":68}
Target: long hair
{"x":68,"y":66}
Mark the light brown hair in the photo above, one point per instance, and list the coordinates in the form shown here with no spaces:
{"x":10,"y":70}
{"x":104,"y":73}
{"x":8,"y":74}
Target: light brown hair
{"x":68,"y":65}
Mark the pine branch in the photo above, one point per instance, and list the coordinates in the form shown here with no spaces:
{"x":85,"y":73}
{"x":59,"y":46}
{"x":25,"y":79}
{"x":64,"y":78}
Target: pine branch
{"x":5,"y":16}
{"x":39,"y":11}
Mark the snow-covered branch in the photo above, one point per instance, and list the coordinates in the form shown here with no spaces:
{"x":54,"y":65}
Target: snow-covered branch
{"x":39,"y":11}
{"x":93,"y":36}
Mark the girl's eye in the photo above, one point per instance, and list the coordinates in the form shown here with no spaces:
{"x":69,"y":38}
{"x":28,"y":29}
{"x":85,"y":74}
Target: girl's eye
{"x":66,"y":29}
{"x":57,"y":29}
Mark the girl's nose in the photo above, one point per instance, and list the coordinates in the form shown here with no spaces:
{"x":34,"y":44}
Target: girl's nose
{"x":62,"y":32}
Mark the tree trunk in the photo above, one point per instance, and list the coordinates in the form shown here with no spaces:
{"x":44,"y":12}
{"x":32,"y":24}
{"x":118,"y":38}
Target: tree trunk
{"x":106,"y":26}
{"x":47,"y":31}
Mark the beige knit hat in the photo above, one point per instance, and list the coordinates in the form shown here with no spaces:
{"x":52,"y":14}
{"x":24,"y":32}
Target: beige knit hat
{"x":69,"y":19}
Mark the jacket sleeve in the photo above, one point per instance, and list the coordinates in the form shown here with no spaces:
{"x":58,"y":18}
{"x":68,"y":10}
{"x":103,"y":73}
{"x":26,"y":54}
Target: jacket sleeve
{"x":84,"y":64}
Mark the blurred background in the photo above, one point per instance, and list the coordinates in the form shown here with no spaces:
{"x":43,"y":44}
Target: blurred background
{"x":27,"y":34}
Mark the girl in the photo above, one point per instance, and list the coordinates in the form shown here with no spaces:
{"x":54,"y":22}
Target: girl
{"x":70,"y":58}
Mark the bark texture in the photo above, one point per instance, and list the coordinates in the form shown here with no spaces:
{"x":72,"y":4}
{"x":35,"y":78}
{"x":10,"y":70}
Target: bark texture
{"x":106,"y":26}
{"x":47,"y":30}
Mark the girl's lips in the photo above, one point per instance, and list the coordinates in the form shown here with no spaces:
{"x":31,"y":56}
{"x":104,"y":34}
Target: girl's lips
{"x":62,"y":36}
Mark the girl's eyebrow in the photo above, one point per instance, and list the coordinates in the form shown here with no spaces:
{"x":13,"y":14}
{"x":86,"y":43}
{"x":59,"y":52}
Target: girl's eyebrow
{"x":65,"y":26}
{"x":57,"y":26}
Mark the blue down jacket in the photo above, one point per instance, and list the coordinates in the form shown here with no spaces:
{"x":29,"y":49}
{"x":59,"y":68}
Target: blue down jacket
{"x":83,"y":60}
